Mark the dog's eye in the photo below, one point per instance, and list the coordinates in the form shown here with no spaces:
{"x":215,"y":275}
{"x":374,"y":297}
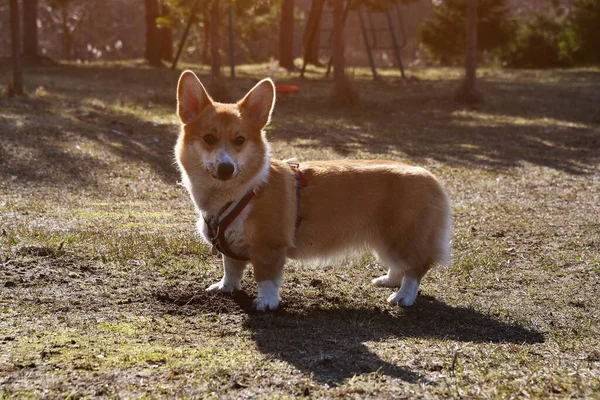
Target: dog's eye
{"x":210,"y":139}
{"x":238,"y":141}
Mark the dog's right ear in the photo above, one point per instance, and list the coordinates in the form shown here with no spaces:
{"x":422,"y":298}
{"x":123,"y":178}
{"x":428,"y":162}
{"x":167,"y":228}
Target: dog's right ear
{"x":192,"y":97}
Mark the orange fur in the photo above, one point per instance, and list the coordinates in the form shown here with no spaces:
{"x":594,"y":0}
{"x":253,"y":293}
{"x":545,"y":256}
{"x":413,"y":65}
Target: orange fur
{"x":399,"y":212}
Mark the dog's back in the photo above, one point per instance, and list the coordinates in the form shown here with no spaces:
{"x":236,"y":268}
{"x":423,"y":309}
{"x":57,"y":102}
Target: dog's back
{"x":398,"y":211}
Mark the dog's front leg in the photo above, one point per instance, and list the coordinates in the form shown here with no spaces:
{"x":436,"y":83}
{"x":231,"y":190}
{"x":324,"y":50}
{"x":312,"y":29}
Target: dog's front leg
{"x":232,"y":278}
{"x":268,"y":269}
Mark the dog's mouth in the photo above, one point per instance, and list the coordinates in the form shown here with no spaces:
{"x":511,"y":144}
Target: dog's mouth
{"x":222,"y":178}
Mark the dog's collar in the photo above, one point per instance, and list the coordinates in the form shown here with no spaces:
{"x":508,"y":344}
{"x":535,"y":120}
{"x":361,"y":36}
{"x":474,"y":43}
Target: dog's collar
{"x":219,"y":224}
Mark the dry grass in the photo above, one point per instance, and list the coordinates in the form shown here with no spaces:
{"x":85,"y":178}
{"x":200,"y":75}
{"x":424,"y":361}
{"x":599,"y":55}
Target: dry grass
{"x":102,"y":277}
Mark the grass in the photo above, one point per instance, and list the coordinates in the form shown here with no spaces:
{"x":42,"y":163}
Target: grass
{"x":102,"y":276}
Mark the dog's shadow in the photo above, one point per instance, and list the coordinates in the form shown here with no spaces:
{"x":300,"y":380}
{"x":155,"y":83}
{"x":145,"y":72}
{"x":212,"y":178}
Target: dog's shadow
{"x":330,"y":344}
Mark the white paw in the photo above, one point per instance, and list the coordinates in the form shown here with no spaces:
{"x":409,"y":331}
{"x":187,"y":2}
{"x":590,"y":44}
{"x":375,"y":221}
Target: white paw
{"x":407,"y":294}
{"x":265,"y":304}
{"x":384,"y":281}
{"x":268,"y":296}
{"x":402,"y":300}
{"x":222,"y":287}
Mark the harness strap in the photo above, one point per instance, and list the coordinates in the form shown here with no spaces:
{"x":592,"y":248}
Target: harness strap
{"x":221,"y":223}
{"x":300,"y":183}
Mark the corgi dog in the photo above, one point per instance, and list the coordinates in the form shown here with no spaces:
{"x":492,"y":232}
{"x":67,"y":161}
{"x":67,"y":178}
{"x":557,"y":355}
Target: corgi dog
{"x":260,"y":211}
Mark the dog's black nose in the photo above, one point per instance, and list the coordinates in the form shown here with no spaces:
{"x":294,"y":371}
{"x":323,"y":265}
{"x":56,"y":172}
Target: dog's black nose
{"x":224,"y":171}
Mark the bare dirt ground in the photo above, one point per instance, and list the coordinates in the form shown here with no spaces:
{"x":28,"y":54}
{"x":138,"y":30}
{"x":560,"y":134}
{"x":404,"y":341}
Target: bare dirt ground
{"x":102,"y":276}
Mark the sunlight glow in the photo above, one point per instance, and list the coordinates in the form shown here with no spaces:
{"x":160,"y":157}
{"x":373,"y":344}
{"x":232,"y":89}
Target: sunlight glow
{"x":499,"y":119}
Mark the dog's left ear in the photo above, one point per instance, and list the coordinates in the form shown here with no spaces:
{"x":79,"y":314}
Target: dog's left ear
{"x":258,"y":104}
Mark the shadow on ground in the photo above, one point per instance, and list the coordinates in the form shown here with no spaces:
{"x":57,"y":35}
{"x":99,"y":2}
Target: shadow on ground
{"x":70,"y":130}
{"x":330,"y":344}
{"x":46,"y":139}
{"x":553,"y":124}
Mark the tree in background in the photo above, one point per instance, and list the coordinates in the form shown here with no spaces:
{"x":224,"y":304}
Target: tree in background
{"x":467,"y":91}
{"x":343,"y":93}
{"x":215,"y":42}
{"x":443,"y":34}
{"x":218,"y":90}
{"x":380,"y":5}
{"x":536,"y":43}
{"x":30,"y":29}
{"x":15,"y":30}
{"x":311,"y":39}
{"x":206,"y":42}
{"x":585,"y":28}
{"x":254,"y":26}
{"x":68,"y":15}
{"x":165,"y":23}
{"x":153,"y":53}
{"x":286,"y":35}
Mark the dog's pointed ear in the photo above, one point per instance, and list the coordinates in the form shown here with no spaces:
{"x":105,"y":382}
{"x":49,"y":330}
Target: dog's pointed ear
{"x":192,"y":97}
{"x":258,"y":104}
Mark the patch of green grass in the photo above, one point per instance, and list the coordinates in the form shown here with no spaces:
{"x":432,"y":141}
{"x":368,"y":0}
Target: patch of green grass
{"x":107,"y":215}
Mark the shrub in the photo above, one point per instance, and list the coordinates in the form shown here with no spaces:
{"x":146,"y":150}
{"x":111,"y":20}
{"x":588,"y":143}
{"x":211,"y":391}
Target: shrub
{"x":546,"y":41}
{"x":536,"y":44}
{"x":583,"y":34}
{"x":443,"y":35}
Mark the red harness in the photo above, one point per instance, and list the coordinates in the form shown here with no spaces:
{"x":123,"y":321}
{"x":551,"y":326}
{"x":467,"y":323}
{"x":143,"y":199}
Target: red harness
{"x":218,"y":225}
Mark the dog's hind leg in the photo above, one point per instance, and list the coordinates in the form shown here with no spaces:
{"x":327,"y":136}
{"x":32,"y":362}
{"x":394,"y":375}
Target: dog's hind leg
{"x":401,"y":273}
{"x":393,"y":278}
{"x":232,"y":279}
{"x":407,"y":294}
{"x":395,"y":264}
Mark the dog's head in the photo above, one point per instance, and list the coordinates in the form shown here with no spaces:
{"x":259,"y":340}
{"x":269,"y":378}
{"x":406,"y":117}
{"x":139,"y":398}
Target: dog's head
{"x":222,"y":143}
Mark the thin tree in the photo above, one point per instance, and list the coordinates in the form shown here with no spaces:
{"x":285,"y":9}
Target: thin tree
{"x":153,"y":51}
{"x":30,"y":29}
{"x":206,"y":33}
{"x":71,"y":13}
{"x":312,"y":34}
{"x":218,"y":89}
{"x":186,"y":31}
{"x":15,"y":30}
{"x":343,"y":93}
{"x":166,"y":33}
{"x":286,"y":35}
{"x":467,"y":91}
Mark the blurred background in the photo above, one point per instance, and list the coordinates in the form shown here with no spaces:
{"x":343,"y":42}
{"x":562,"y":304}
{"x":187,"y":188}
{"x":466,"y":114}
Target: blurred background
{"x":512,"y":33}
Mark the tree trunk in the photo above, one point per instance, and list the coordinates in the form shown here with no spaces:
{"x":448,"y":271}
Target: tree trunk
{"x":166,"y":36}
{"x":15,"y":30}
{"x":186,"y":31}
{"x":312,"y":35}
{"x":67,"y":42}
{"x":467,"y":91}
{"x":286,"y":35}
{"x":68,"y":46}
{"x":215,"y":41}
{"x":343,"y":93}
{"x":218,"y":90}
{"x":206,"y":35}
{"x":153,"y":47}
{"x":30,"y":29}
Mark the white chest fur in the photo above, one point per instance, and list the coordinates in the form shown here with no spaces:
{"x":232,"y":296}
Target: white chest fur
{"x":234,"y":234}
